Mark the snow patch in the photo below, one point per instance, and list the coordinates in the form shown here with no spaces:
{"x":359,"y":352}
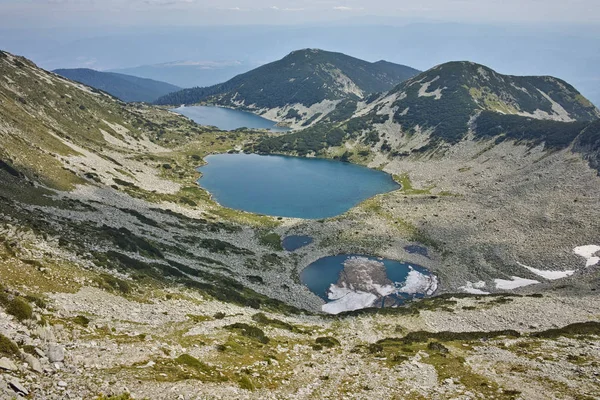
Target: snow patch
{"x":550,"y":275}
{"x":347,"y":300}
{"x":416,"y":282}
{"x":588,"y":253}
{"x":513,"y":283}
{"x":474,"y":287}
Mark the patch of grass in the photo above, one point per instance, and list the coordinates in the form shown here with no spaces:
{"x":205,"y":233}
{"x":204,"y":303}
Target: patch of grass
{"x":82,"y":320}
{"x":124,"y":396}
{"x":271,"y":239}
{"x":327,"y":341}
{"x":249,"y":331}
{"x":112,"y":283}
{"x":199,"y":318}
{"x":8,"y":347}
{"x":264,"y":320}
{"x":446,"y":336}
{"x":19,"y":308}
{"x":407,"y":187}
{"x":37,"y":300}
{"x":580,"y":328}
{"x":246,"y":383}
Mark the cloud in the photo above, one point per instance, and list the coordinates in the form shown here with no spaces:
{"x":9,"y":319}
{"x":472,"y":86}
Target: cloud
{"x":344,"y":8}
{"x":286,"y":9}
{"x":166,"y":2}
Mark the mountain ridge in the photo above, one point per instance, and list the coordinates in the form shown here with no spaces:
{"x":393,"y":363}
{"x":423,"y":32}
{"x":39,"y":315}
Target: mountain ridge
{"x":446,"y":104}
{"x":128,"y":88}
{"x":298,"y":86}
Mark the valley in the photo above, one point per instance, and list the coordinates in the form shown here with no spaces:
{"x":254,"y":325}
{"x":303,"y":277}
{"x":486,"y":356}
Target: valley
{"x":139,"y":284}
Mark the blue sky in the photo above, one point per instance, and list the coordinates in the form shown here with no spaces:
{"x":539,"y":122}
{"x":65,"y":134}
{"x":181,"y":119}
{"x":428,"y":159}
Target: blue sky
{"x":54,"y":13}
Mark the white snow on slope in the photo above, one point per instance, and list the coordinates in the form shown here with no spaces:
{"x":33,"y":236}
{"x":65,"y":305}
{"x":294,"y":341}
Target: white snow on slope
{"x":550,"y":275}
{"x":417,"y":282}
{"x":515,"y":282}
{"x":474,"y":287}
{"x":588,"y":252}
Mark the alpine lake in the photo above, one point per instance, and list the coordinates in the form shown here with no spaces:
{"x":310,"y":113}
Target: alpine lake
{"x":310,"y":188}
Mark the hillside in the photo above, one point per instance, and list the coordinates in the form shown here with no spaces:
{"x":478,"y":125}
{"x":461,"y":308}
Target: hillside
{"x":125,"y":87}
{"x":298,"y":86}
{"x":123,"y":279}
{"x":441,"y":106}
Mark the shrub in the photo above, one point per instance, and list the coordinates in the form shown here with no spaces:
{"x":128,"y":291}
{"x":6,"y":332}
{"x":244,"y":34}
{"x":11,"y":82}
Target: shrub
{"x":8,"y":347}
{"x":81,"y":320}
{"x":20,"y":309}
{"x":246,"y":383}
{"x":327,"y":341}
{"x":249,"y":331}
{"x":272,"y":240}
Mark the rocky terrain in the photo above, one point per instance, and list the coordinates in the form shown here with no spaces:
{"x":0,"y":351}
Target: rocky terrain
{"x":123,"y":279}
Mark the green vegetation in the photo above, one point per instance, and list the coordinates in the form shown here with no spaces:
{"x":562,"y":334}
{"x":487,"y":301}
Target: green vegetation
{"x":327,"y":341}
{"x":82,"y":320}
{"x":271,"y":239}
{"x":17,"y":307}
{"x":583,"y":328}
{"x":249,"y":331}
{"x":275,"y":323}
{"x":407,"y":187}
{"x":8,"y":347}
{"x":304,"y":76}
{"x":246,"y":383}
{"x":467,"y":88}
{"x":554,"y":135}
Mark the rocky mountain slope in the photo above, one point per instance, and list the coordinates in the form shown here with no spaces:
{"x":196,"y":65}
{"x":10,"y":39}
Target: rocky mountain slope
{"x":453,"y":102}
{"x":122,"y":279}
{"x":299,"y":86}
{"x":125,"y":87}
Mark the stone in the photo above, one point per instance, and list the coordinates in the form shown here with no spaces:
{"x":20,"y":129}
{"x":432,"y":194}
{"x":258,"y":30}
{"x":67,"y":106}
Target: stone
{"x":55,"y":353}
{"x":34,"y":363}
{"x":7,"y":365}
{"x":62,"y":384}
{"x":17,"y":386}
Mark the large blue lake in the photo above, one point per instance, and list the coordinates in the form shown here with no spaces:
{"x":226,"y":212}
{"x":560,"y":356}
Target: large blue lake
{"x":290,"y":186}
{"x":227,"y":119}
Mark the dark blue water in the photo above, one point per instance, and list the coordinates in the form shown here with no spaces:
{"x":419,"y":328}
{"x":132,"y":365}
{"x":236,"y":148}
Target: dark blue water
{"x":292,"y":243}
{"x":290,"y":186}
{"x":415,"y":249}
{"x":227,"y":119}
{"x":319,"y":275}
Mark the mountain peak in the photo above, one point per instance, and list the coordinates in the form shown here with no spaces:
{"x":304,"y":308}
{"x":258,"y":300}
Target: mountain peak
{"x":446,"y":97}
{"x":301,"y":79}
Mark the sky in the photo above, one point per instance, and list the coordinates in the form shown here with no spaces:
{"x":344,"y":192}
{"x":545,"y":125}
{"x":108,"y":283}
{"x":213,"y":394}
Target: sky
{"x":520,"y":37}
{"x":56,"y":13}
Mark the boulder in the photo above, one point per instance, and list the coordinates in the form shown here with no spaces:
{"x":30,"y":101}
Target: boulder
{"x":16,"y":385}
{"x":34,"y":363}
{"x":7,"y":365}
{"x":55,"y":353}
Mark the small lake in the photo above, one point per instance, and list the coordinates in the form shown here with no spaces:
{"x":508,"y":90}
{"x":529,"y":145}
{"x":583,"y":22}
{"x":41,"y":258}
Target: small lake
{"x":227,"y":119}
{"x":407,"y":281}
{"x":284,"y":186}
{"x":295,"y":242}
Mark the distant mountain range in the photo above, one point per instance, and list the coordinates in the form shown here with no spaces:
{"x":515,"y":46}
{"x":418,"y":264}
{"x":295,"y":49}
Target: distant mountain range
{"x":187,"y":74}
{"x":125,"y":87}
{"x":303,"y":77}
